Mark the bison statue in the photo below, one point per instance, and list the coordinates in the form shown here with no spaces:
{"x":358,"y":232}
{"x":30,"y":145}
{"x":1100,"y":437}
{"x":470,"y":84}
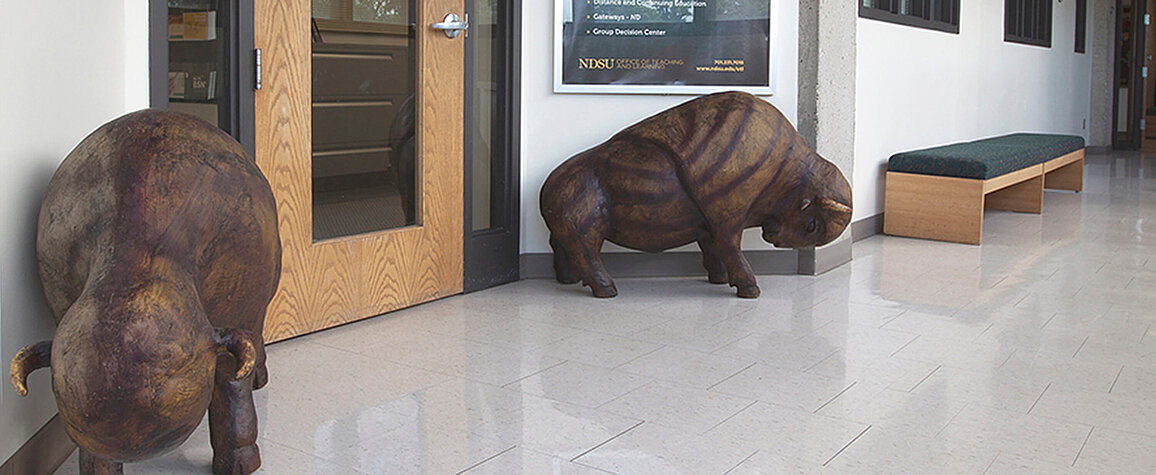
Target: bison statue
{"x":158,"y":253}
{"x":699,"y":172}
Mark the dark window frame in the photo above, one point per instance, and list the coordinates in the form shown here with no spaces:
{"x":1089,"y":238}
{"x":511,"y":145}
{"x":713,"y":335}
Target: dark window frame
{"x":236,"y":106}
{"x":1028,"y":22}
{"x":1081,"y":26}
{"x":938,"y":15}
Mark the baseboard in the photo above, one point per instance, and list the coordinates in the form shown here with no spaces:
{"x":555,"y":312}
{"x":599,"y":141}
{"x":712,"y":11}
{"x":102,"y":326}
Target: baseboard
{"x":43,"y":453}
{"x":1098,"y":150}
{"x":666,"y":264}
{"x":866,"y":227}
{"x":820,"y":260}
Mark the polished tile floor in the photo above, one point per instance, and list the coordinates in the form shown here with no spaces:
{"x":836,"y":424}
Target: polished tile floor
{"x":1031,"y":353}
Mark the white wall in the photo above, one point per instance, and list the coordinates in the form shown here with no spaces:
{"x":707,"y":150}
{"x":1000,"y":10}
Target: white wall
{"x":65,"y":69}
{"x":556,"y":126}
{"x":918,"y":88}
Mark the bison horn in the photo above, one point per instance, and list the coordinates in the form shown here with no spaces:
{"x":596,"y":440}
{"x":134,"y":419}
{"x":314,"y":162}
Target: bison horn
{"x":833,"y":205}
{"x":238,"y":343}
{"x":28,"y":359}
{"x":806,"y":203}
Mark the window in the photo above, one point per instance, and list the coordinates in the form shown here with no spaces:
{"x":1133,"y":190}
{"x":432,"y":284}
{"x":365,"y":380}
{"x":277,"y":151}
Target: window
{"x":1081,"y":24}
{"x":942,"y":15}
{"x":1028,"y":22}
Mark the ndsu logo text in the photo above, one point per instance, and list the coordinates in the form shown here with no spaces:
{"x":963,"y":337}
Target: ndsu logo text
{"x":595,"y":63}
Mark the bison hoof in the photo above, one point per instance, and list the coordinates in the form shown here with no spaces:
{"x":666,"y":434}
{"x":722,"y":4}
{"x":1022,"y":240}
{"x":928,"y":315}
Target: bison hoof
{"x":243,"y":460}
{"x":566,"y":279}
{"x":749,"y":292}
{"x":605,"y":292}
{"x":718,"y":278}
{"x":260,"y":377}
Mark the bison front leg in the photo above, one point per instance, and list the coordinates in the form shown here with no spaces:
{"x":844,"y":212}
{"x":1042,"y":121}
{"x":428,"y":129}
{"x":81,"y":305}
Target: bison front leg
{"x":232,"y":416}
{"x":729,"y":251}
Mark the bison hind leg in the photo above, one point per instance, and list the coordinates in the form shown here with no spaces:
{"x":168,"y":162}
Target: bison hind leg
{"x":92,"y":465}
{"x":563,"y":269}
{"x":716,"y":271}
{"x":233,"y":421}
{"x":582,"y":261}
{"x":260,"y":370}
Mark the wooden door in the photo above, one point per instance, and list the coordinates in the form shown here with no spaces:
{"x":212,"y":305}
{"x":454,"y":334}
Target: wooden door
{"x":327,"y":281}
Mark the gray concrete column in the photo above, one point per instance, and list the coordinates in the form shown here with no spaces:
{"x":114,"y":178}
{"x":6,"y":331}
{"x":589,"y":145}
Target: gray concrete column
{"x":827,"y":54}
{"x":1102,"y":47}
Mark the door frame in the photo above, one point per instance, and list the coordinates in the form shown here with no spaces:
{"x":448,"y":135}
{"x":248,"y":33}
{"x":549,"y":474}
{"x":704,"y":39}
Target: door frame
{"x":491,"y":256}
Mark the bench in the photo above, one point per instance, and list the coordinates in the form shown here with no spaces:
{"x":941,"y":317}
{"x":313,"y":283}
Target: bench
{"x":940,"y":193}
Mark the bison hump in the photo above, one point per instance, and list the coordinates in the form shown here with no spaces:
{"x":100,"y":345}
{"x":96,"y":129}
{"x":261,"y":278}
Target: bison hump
{"x":727,"y":148}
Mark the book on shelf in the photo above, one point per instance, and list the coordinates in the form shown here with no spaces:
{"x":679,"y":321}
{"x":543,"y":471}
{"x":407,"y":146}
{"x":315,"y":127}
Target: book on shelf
{"x":177,"y":82}
{"x":176,"y":26}
{"x":200,"y":25}
{"x":193,"y":26}
{"x":200,"y":80}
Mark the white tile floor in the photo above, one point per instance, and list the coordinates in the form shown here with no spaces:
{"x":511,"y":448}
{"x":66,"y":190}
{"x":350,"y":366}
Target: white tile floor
{"x":1030,"y":353}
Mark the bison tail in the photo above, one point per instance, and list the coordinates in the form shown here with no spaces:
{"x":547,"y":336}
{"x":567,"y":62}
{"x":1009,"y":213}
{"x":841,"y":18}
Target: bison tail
{"x":28,"y":359}
{"x":238,"y":343}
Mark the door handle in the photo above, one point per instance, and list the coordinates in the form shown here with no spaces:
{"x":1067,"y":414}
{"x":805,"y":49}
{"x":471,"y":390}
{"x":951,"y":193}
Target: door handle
{"x":452,"y":25}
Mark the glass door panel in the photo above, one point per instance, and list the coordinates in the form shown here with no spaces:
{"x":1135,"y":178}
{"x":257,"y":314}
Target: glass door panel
{"x":1129,"y":83}
{"x":487,"y":123}
{"x":198,"y":60}
{"x":363,"y":161}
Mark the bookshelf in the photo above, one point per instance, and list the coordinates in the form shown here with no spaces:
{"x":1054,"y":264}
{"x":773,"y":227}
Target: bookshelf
{"x":197,"y":59}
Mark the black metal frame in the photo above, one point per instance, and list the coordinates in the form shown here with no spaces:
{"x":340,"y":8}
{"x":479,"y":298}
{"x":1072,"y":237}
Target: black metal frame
{"x":238,"y":114}
{"x":924,"y":14}
{"x":1139,"y":33}
{"x":1081,"y":25}
{"x":1028,"y":22}
{"x":490,"y":256}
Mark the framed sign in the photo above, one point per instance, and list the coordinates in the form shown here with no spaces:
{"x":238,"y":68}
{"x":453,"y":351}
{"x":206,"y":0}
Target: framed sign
{"x":663,"y":46}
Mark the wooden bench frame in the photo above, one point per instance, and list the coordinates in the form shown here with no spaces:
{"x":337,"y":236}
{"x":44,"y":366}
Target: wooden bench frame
{"x":951,"y":209}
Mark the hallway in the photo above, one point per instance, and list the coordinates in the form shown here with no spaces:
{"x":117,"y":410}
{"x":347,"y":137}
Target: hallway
{"x":1028,"y":353}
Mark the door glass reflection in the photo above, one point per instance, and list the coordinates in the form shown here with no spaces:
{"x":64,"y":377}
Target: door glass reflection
{"x":363,"y":117}
{"x":486,"y":124}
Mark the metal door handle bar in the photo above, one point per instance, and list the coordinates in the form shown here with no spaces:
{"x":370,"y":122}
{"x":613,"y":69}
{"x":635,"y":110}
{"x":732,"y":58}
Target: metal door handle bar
{"x":452,"y":25}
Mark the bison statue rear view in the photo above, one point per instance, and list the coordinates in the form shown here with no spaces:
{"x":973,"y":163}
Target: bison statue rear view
{"x":159,"y":254}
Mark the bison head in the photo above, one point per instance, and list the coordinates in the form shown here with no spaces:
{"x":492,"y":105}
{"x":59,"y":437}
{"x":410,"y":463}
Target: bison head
{"x":814,"y":212}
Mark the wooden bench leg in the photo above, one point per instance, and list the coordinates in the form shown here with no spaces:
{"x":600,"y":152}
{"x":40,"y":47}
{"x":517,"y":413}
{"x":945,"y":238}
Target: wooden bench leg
{"x":1025,"y":197}
{"x":933,"y":207}
{"x":1068,"y":177}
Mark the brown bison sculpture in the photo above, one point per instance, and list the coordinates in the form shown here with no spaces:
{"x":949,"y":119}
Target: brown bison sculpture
{"x":699,"y":172}
{"x":159,"y":254}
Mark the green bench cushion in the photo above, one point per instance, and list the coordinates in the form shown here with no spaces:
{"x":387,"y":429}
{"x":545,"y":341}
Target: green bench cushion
{"x":987,"y":158}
